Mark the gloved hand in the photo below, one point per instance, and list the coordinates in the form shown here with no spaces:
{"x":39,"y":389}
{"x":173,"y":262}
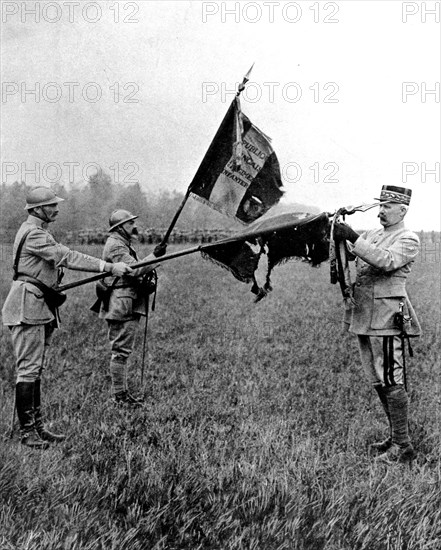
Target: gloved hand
{"x":160,"y":250}
{"x":120,"y":268}
{"x":342,"y":232}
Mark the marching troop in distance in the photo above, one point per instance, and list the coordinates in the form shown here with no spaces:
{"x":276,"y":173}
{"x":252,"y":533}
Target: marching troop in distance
{"x":381,"y":316}
{"x":152,"y":235}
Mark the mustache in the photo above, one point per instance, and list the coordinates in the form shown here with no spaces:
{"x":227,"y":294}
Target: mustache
{"x":135,"y":231}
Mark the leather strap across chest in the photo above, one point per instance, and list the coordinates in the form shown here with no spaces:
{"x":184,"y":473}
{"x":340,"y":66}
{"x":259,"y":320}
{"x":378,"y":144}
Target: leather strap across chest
{"x":17,"y":254}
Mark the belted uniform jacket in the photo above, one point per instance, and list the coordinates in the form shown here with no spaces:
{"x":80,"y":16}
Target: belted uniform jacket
{"x":125,"y":303}
{"x":40,"y":257}
{"x":383,"y":259}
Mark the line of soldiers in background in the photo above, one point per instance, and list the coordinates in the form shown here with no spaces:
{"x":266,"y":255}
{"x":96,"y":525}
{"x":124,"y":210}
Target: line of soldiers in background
{"x":151,"y":235}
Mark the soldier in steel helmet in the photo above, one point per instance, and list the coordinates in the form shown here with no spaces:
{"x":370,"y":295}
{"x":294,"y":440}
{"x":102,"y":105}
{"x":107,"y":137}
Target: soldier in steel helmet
{"x":382,"y":316}
{"x":27,"y":311}
{"x":124,"y":301}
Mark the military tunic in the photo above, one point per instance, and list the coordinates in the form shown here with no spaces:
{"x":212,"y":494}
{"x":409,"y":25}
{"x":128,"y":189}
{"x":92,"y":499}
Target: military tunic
{"x":383,"y":260}
{"x":40,"y":257}
{"x":125,"y":306}
{"x":25,"y":311}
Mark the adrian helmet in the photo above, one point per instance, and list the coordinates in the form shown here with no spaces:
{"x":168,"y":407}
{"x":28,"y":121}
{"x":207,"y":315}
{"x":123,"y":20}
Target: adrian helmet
{"x":118,"y":217}
{"x":41,"y":196}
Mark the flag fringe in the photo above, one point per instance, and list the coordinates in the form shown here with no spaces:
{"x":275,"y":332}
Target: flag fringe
{"x":307,"y":242}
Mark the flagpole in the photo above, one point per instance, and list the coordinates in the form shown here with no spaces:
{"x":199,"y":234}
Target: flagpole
{"x":103,"y":275}
{"x":165,"y":238}
{"x":175,"y":219}
{"x":241,"y":86}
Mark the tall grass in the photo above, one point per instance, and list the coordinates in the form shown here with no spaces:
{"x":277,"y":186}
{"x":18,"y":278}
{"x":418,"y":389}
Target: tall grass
{"x":254,"y":435}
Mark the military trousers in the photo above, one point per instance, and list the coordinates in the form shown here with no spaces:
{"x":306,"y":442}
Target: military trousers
{"x":30,"y":343}
{"x":121,"y":337}
{"x":383,"y":359}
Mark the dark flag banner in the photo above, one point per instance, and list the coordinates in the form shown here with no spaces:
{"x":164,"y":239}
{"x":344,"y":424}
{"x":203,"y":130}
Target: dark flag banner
{"x":305,"y":237}
{"x":240,"y":174}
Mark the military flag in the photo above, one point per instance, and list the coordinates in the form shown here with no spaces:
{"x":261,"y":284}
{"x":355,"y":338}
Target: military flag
{"x":239,"y":175}
{"x":281,"y":238}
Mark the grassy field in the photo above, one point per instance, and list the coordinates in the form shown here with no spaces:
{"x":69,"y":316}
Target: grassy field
{"x":254,"y":435}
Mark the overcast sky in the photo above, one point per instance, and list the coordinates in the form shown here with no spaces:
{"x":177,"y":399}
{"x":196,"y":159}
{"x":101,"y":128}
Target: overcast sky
{"x":348,"y":91}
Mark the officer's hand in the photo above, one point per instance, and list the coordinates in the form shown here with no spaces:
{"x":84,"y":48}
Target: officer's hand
{"x":343,"y":232}
{"x":160,"y":250}
{"x":120,"y":268}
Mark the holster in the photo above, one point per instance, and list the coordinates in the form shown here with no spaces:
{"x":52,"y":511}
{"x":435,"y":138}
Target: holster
{"x":53,"y":298}
{"x":147,"y":284}
{"x":103,"y":293}
{"x":144,"y":286}
{"x":401,"y":321}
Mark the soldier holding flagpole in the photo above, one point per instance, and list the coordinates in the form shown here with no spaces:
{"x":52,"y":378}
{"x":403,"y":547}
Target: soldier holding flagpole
{"x":30,"y":309}
{"x":123,"y":300}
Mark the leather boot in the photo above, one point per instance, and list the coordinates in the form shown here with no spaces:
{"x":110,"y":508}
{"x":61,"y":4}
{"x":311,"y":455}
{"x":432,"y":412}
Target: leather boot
{"x":24,"y":399}
{"x":401,"y":449}
{"x":382,"y":446}
{"x":43,"y":432}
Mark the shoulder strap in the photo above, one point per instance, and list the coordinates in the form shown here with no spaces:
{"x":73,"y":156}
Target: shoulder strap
{"x":17,"y":254}
{"x":132,"y":252}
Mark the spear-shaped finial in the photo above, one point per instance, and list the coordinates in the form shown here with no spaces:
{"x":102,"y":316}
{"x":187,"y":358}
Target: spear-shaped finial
{"x":244,"y":81}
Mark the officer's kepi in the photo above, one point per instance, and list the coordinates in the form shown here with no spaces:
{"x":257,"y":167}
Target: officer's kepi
{"x":390,"y":193}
